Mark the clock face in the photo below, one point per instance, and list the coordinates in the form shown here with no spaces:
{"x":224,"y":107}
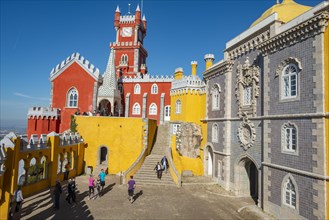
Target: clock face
{"x":126,"y":32}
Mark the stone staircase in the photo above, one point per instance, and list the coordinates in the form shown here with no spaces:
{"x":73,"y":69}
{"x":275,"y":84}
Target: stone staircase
{"x":98,"y":169}
{"x":146,"y":174}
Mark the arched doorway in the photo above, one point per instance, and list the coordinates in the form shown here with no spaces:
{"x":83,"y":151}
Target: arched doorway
{"x":209,"y":161}
{"x":104,"y":107}
{"x":246,"y":179}
{"x":103,"y":155}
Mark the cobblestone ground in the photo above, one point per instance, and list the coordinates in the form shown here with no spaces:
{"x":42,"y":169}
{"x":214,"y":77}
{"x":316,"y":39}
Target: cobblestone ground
{"x":197,"y":201}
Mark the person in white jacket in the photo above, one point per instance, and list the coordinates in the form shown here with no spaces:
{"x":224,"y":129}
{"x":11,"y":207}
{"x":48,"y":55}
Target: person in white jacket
{"x":19,"y":198}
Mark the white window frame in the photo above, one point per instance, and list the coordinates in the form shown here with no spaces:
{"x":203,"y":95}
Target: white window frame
{"x":153,"y":109}
{"x":137,"y":89}
{"x":136,"y":109}
{"x":154,"y":89}
{"x":289,"y":194}
{"x":72,"y":102}
{"x":215,"y":97}
{"x":175,"y":128}
{"x":247,"y":95}
{"x":214,"y":133}
{"x":178,"y":107}
{"x":289,"y":82}
{"x":289,"y":138}
{"x":124,"y":59}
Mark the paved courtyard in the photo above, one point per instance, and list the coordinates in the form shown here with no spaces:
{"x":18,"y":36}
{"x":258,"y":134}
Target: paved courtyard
{"x":194,"y":201}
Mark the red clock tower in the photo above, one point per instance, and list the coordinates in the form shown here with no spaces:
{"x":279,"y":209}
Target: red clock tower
{"x":130,"y":55}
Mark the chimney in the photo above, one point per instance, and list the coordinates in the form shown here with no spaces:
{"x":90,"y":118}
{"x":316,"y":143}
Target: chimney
{"x":194,"y":64}
{"x":179,"y":73}
{"x":209,"y":58}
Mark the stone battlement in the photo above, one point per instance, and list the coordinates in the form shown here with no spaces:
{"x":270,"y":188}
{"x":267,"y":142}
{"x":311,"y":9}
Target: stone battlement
{"x":80,"y":59}
{"x":125,"y":19}
{"x":148,"y":78}
{"x":188,"y":82}
{"x":127,"y":44}
{"x":36,"y":112}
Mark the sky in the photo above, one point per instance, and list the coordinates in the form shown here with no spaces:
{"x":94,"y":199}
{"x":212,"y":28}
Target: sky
{"x":37,"y":35}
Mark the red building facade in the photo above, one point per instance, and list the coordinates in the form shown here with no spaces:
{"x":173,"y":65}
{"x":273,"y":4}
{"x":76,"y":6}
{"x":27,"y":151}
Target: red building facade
{"x":125,"y":88}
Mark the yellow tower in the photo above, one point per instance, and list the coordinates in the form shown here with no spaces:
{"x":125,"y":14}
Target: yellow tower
{"x":189,"y":134}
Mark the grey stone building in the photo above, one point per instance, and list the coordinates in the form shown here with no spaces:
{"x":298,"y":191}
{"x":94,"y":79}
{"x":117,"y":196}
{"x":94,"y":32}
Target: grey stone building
{"x":266,"y":113}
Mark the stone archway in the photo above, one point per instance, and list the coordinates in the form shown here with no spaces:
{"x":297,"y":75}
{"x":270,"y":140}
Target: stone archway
{"x":246,"y":177}
{"x":104,"y":107}
{"x":209,"y":161}
{"x":102,"y":155}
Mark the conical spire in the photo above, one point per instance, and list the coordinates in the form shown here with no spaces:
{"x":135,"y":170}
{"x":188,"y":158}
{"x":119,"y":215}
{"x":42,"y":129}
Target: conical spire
{"x":118,"y":9}
{"x":143,"y":19}
{"x":138,"y":9}
{"x":109,"y":79}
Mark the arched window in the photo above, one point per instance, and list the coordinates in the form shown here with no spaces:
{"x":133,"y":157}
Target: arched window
{"x":137,"y":89}
{"x":136,"y":109}
{"x":290,"y":198}
{"x":178,"y":107}
{"x":215,"y":97}
{"x":72,"y":98}
{"x":43,"y":168}
{"x":289,"y":137}
{"x":289,"y":81}
{"x":214,"y":133}
{"x":154,"y":89}
{"x":153,"y":109}
{"x":21,"y":172}
{"x":124,"y":59}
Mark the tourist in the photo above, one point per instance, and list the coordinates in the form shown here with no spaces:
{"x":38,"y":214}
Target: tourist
{"x":67,"y":170}
{"x":131,"y":187}
{"x":77,"y":112}
{"x":164,"y":163}
{"x":98,"y":186}
{"x":91,"y":186}
{"x":18,"y":198}
{"x":102,"y":177}
{"x":73,"y":189}
{"x":158,"y":170}
{"x":69,"y":191}
{"x":57,"y":193}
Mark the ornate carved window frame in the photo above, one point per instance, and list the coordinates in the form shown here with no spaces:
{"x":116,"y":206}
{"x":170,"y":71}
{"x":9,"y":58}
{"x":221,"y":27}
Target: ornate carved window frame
{"x":247,"y":76}
{"x":280,"y":72}
{"x":283,"y":138}
{"x":215,"y":87}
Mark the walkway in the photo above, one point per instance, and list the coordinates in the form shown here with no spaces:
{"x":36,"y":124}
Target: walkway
{"x":152,"y":202}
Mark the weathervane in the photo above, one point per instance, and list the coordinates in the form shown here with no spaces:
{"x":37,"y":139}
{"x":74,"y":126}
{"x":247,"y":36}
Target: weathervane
{"x":129,"y":8}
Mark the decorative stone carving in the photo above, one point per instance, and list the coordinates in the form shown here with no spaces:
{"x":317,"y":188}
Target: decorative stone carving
{"x":246,"y":133}
{"x":188,"y":139}
{"x":284,"y":63}
{"x":247,"y":76}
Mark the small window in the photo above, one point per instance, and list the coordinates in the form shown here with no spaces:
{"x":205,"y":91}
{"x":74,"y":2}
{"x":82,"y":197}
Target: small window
{"x":154,"y":89}
{"x":289,"y":82}
{"x":136,"y":109}
{"x":124,"y":59}
{"x":153,"y":109}
{"x":215,"y":133}
{"x":289,"y":137}
{"x":215,"y":98}
{"x":175,"y":128}
{"x":72,"y":98}
{"x":137,"y":89}
{"x":290,"y":194}
{"x":178,"y":107}
{"x":247,"y":95}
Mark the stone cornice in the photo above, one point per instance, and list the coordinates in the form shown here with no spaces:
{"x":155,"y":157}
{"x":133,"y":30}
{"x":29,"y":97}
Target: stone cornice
{"x":218,"y":69}
{"x":307,"y":29}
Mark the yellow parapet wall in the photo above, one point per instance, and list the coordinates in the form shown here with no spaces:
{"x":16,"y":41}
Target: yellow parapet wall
{"x":123,"y":139}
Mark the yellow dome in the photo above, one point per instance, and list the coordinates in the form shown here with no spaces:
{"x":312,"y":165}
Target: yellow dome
{"x":287,"y":11}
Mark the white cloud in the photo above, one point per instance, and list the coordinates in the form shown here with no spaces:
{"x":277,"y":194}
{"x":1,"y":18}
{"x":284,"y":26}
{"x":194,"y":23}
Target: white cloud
{"x":30,"y":97}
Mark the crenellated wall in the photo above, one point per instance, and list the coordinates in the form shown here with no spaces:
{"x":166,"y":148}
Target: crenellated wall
{"x":37,"y":163}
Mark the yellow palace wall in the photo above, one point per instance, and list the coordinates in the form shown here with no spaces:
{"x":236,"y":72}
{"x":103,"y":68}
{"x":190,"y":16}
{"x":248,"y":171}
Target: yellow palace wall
{"x":193,"y":110}
{"x":125,"y":139}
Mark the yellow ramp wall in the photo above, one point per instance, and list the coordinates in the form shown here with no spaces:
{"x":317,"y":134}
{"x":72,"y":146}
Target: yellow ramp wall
{"x":123,"y":138}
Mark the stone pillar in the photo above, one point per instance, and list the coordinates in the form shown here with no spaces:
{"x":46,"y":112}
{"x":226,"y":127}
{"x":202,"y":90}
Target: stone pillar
{"x":162,"y":108}
{"x":144,"y":108}
{"x":127,"y":105}
{"x":95,"y":96}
